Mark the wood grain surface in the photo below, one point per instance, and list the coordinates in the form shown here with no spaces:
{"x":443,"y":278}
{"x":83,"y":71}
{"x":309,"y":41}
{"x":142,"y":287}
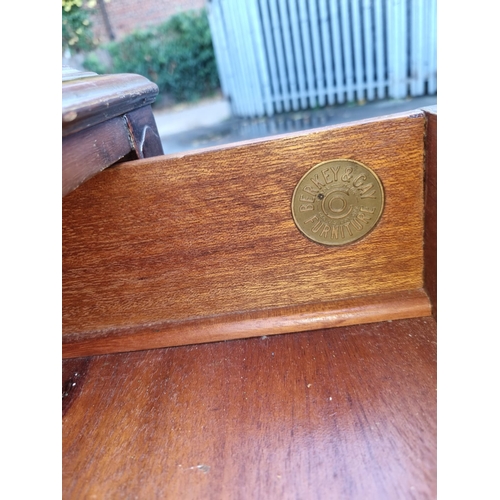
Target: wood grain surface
{"x":186,"y":237}
{"x":88,"y":152}
{"x":344,"y":413}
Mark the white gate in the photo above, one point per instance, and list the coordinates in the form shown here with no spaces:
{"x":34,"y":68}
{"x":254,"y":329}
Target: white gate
{"x":282,"y":55}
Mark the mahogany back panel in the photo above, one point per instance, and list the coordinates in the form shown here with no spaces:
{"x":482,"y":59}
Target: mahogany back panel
{"x":207,"y":239}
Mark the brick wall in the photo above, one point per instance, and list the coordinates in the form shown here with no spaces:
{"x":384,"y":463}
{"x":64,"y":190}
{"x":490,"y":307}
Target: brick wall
{"x":127,"y":15}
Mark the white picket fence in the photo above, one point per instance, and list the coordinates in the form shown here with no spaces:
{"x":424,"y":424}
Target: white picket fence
{"x":275,"y":56}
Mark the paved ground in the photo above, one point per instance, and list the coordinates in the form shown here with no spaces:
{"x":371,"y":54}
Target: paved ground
{"x":210,"y":122}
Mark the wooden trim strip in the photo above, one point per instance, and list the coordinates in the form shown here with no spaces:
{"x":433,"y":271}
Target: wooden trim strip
{"x":430,"y":208}
{"x":359,"y":310}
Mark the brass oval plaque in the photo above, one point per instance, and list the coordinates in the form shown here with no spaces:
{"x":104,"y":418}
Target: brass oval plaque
{"x":337,"y":202}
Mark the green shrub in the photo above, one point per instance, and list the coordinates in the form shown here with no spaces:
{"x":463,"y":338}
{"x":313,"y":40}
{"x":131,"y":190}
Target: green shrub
{"x":177,"y":55}
{"x":136,"y":53}
{"x":76,"y":27}
{"x":92,"y":62}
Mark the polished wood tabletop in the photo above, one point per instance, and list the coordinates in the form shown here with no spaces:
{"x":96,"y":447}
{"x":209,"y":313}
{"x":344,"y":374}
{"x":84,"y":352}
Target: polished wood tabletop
{"x":343,"y":413}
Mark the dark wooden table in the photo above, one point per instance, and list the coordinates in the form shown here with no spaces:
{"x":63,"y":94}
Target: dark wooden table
{"x":105,"y":119}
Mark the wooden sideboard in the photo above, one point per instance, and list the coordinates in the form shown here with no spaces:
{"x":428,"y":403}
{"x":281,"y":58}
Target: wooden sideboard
{"x":210,"y":350}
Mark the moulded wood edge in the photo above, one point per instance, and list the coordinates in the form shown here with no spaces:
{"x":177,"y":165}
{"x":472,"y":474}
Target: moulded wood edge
{"x":96,"y":99}
{"x":344,"y":312}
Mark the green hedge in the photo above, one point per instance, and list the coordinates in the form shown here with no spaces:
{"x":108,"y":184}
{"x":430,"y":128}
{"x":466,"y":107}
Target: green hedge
{"x":76,"y":27}
{"x":177,"y":55}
